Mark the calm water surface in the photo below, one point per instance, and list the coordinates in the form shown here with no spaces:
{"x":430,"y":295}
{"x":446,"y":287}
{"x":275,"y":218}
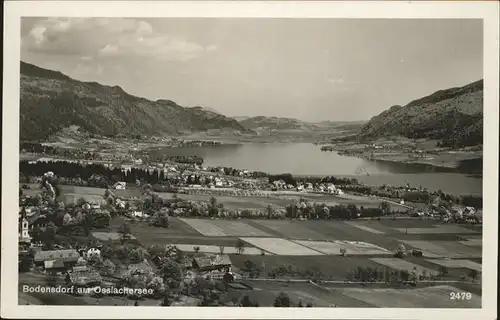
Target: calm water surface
{"x":308,"y":159}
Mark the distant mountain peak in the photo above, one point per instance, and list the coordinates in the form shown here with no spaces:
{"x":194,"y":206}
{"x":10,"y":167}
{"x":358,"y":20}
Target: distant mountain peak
{"x":454,"y":116}
{"x":275,"y":123}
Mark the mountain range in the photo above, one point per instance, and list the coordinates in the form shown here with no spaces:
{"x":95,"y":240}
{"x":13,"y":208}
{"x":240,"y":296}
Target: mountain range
{"x":453,"y":116}
{"x":51,"y":101}
{"x":275,"y":123}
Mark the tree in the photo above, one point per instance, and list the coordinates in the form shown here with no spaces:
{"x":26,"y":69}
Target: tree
{"x":473,"y":274}
{"x":213,"y":208}
{"x":246,"y":301}
{"x":443,"y":271}
{"x":124,"y":232}
{"x":282,"y":301}
{"x":221,"y":249}
{"x":401,"y":250}
{"x":240,"y":246}
{"x":166,"y":300}
{"x":387,"y":275}
{"x":172,"y":274}
{"x":425,"y":274}
{"x":196,"y":249}
{"x":227,"y":278}
{"x":404,"y":275}
{"x":80,"y":202}
{"x":156,"y":284}
{"x":25,"y":263}
{"x":385,"y":207}
{"x":48,"y":236}
{"x":269,"y":211}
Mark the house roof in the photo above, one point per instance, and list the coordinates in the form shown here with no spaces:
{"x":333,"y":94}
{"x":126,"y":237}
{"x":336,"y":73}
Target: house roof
{"x":32,"y":219}
{"x":68,"y":255}
{"x":52,"y":264}
{"x":212,"y":261}
{"x":141,"y":267}
{"x":85,"y":277}
{"x":79,"y":268}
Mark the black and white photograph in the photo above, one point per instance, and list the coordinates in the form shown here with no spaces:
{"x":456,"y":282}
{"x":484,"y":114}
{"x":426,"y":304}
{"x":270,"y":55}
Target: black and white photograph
{"x":279,"y":163}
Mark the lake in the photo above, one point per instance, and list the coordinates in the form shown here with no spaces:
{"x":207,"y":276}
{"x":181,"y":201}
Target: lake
{"x":308,"y":159}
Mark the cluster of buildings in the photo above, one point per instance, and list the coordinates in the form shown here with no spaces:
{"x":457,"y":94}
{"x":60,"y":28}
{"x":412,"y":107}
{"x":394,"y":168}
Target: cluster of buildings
{"x":307,"y":187}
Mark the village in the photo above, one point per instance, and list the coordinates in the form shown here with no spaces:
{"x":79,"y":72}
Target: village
{"x":193,"y":235}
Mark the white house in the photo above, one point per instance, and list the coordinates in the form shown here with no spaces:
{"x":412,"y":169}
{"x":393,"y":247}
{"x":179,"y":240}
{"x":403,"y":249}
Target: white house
{"x":30,"y":211}
{"x":93,"y":251}
{"x":218,"y":182}
{"x":95,"y":205}
{"x":138,"y":214}
{"x":120,"y":204}
{"x":330,"y":187}
{"x":469,"y":211}
{"x":120,"y":185}
{"x":49,"y":174}
{"x":126,"y":167}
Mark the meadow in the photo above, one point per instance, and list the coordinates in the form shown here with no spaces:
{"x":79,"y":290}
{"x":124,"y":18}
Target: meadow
{"x":429,"y":297}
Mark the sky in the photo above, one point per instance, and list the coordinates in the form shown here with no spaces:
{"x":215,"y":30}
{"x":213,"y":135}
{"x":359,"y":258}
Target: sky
{"x":310,"y":69}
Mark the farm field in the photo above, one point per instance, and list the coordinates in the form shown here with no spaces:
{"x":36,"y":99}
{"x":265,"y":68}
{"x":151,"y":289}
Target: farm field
{"x":400,"y":264}
{"x":108,"y":236}
{"x":204,"y":227}
{"x":331,"y":267}
{"x":221,"y":228}
{"x":82,"y":190}
{"x":409,"y":223}
{"x":364,"y":227}
{"x":72,"y":198}
{"x":436,"y":229}
{"x":165,"y":239}
{"x":449,"y":249}
{"x":473,"y":242}
{"x":67,"y":189}
{"x":458,"y":263}
{"x":232,"y":202}
{"x":216,"y":249}
{"x":339,"y":230}
{"x":353,"y":248}
{"x":266,"y":292}
{"x":281,"y":246}
{"x":474,"y":227}
{"x":291,"y":229}
{"x":178,"y":233}
{"x":32,"y":192}
{"x":429,"y":297}
{"x":238,"y":229}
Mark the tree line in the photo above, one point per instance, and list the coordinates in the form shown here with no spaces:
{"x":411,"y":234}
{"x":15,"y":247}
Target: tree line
{"x":288,"y":178}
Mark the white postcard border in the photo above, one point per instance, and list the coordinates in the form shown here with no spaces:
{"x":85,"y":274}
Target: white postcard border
{"x":14,"y":10}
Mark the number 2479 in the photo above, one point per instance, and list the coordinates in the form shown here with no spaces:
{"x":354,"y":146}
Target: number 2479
{"x":460,"y":295}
